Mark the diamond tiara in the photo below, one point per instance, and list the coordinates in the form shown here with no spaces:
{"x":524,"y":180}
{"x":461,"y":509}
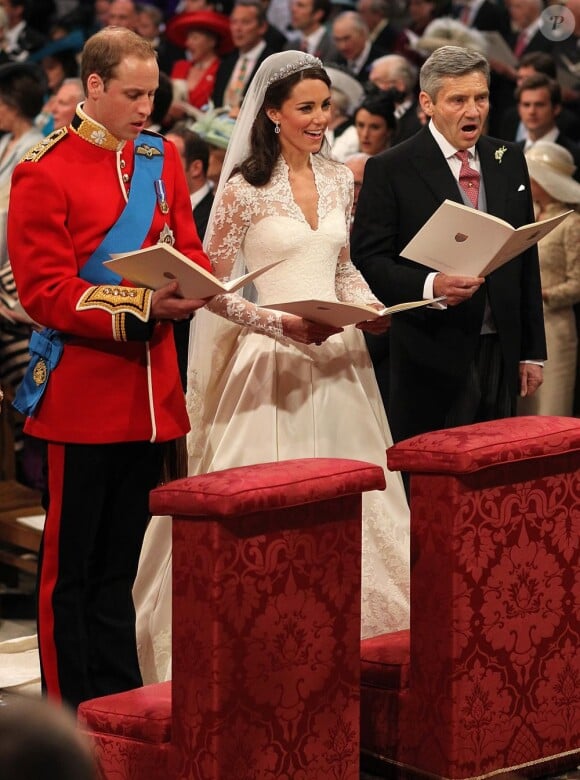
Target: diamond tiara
{"x":304,"y":62}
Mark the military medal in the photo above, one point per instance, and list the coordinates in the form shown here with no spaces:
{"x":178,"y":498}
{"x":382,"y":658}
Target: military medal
{"x":166,"y":236}
{"x":161,"y":196}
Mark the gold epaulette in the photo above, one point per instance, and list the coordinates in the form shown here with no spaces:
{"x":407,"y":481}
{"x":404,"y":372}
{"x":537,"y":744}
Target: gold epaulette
{"x":42,"y":147}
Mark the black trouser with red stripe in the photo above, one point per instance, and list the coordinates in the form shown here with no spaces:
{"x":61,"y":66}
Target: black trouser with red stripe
{"x":97,"y":514}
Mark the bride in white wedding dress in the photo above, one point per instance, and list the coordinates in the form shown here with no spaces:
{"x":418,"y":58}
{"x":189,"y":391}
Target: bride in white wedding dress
{"x":265,"y":386}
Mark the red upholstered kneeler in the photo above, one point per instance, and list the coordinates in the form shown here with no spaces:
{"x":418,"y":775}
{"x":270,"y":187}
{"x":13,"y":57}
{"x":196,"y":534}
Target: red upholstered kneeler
{"x":491,"y":681}
{"x":266,"y":632}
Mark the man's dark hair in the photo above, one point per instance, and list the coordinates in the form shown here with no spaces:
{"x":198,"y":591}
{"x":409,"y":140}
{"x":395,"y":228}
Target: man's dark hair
{"x":260,"y":9}
{"x":194,"y":147}
{"x":162,"y":99}
{"x":541,"y":81}
{"x":540,"y":61}
{"x":322,"y":5}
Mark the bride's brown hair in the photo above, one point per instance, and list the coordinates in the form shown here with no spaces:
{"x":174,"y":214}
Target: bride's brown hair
{"x":264,"y":144}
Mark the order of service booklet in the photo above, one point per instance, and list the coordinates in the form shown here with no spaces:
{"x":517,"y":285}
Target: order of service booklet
{"x":458,"y":239}
{"x":339,"y":313}
{"x":158,"y":265}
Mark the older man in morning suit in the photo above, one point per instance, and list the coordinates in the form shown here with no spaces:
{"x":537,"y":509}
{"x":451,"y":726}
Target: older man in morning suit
{"x":467,"y":361}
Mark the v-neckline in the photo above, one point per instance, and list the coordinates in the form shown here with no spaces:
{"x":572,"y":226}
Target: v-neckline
{"x":295,"y":202}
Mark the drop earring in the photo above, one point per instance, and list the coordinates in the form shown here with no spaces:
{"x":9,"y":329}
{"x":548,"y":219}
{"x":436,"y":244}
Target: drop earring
{"x":277,"y":128}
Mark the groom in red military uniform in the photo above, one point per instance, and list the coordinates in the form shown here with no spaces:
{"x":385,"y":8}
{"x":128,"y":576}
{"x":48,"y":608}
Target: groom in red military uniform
{"x":103,"y":387}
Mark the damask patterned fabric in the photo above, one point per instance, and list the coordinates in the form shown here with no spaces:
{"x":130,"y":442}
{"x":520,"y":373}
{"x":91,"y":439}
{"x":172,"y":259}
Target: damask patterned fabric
{"x":265,"y":486}
{"x":469,"y":448}
{"x":494,"y":680}
{"x":266,"y":631}
{"x":143,"y":714}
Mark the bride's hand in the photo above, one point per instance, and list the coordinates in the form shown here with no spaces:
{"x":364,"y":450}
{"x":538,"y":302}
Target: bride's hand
{"x":305,"y":331}
{"x":376,"y":327}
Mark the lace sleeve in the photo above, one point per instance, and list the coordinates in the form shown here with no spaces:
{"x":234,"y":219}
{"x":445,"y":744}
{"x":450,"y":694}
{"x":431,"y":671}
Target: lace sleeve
{"x":232,"y":219}
{"x":350,"y":283}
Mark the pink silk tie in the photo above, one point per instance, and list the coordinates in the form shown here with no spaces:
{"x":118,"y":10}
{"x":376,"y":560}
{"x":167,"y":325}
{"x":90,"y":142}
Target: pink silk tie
{"x":521,"y":43}
{"x":468,"y":178}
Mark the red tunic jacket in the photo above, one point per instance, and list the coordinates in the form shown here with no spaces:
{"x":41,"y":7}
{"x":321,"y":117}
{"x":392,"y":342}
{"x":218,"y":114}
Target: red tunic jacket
{"x":117,"y":379}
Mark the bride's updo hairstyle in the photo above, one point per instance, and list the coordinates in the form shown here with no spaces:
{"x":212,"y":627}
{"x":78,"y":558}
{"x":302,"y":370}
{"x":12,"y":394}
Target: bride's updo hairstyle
{"x":264,"y":143}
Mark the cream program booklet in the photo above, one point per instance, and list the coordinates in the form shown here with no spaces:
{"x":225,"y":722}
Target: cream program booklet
{"x":498,"y":49}
{"x":338,"y":313}
{"x":460,"y":240}
{"x":157,"y":265}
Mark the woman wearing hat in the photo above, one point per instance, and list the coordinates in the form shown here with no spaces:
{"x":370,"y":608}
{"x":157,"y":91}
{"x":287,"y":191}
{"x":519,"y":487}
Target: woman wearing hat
{"x":555,"y":191}
{"x":206,"y":37}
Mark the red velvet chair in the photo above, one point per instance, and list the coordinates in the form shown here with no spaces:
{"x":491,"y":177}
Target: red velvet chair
{"x":266,"y":632}
{"x":488,"y":681}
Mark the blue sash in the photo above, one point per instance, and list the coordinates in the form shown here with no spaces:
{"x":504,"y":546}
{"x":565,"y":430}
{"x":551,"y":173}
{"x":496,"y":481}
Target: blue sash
{"x":128,"y":232}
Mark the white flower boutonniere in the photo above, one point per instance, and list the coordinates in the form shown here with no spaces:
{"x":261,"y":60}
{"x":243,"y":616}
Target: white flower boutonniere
{"x":499,"y":153}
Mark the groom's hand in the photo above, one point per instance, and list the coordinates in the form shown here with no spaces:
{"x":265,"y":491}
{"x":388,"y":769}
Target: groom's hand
{"x":168,"y":304}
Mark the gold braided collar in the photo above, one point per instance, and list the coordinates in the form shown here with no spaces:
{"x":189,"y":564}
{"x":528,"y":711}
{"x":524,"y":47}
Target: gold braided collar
{"x":93,"y":132}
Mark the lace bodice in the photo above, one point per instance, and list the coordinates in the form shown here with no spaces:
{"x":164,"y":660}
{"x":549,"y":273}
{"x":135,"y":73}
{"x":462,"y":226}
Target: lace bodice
{"x":266,"y":224}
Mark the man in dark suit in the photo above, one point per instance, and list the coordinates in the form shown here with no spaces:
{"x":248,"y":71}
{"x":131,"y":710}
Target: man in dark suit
{"x":308,"y":19}
{"x":376,"y":17}
{"x":356,"y":51}
{"x":396,"y":72}
{"x":468,"y":360}
{"x":248,"y":25}
{"x":530,"y":64}
{"x":539,"y":105}
{"x":194,"y":155}
{"x":483,"y":15}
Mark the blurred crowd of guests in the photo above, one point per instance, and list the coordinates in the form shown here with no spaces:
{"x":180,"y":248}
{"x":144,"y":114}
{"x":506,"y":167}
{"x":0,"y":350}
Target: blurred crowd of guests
{"x":208,"y":52}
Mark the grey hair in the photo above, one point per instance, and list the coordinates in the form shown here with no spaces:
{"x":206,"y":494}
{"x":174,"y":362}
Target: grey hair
{"x":78,"y":85}
{"x":402,"y":69}
{"x":450,"y":61}
{"x":355,"y":20}
{"x":380,"y":7}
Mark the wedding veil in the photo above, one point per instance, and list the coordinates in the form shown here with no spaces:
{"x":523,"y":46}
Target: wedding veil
{"x":212,"y":338}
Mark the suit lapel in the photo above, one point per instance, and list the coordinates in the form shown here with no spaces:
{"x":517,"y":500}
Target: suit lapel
{"x":432,"y":167}
{"x":495,"y":175}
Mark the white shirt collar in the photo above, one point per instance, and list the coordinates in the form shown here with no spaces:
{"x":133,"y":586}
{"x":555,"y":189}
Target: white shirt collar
{"x":197,"y":196}
{"x":356,"y":65}
{"x":551,"y":135}
{"x":12,"y":34}
{"x":314,"y":39}
{"x":531,"y":29}
{"x":254,"y":53}
{"x":447,"y":148}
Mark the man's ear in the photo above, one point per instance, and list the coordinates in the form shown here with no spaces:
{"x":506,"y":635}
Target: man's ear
{"x":195,"y":169}
{"x":426,"y":103}
{"x":95,"y":85}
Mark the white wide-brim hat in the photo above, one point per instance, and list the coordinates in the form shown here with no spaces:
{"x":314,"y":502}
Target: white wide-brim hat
{"x":348,"y":85}
{"x":552,"y":167}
